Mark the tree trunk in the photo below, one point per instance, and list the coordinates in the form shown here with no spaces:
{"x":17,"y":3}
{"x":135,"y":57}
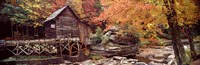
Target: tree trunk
{"x":190,"y":38}
{"x":22,"y":28}
{"x":12,"y":33}
{"x":180,"y":47}
{"x":176,"y":41}
{"x":27,"y":31}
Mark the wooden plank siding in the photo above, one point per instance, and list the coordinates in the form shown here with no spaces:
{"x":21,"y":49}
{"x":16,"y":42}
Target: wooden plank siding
{"x":50,"y":32}
{"x":84,"y":32}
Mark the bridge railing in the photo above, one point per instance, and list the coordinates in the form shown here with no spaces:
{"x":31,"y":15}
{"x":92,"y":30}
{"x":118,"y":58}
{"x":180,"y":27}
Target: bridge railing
{"x":43,"y":46}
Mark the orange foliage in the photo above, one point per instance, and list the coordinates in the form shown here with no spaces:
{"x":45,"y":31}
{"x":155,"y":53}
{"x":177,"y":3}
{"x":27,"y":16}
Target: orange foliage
{"x":88,"y":6}
{"x":126,"y":12}
{"x":56,"y":4}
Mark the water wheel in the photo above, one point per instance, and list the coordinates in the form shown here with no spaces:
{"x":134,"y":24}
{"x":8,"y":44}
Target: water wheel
{"x":75,"y":51}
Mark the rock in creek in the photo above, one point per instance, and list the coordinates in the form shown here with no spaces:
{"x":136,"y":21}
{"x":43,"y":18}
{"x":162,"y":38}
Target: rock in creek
{"x":141,"y":63}
{"x":114,"y":50}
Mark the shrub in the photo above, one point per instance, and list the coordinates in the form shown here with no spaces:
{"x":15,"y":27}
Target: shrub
{"x":96,"y":37}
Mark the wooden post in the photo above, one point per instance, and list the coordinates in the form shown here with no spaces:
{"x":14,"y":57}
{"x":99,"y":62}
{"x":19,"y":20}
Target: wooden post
{"x":60,"y":46}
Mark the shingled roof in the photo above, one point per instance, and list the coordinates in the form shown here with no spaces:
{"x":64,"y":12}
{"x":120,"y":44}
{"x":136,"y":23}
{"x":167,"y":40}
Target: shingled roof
{"x":55,"y":14}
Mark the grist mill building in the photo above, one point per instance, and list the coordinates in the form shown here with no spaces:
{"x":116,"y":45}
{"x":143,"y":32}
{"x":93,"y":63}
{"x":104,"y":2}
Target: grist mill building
{"x":64,"y":23}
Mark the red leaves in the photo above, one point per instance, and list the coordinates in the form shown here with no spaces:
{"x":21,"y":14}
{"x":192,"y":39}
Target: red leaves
{"x":89,"y":6}
{"x":56,"y":4}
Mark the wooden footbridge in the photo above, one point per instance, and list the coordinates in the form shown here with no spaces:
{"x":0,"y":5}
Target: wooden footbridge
{"x":68,"y":46}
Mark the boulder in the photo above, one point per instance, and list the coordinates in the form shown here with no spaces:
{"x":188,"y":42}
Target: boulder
{"x":119,"y":50}
{"x":116,"y":45}
{"x":154,"y":63}
{"x":118,"y":58}
{"x":87,"y":62}
{"x":141,"y":63}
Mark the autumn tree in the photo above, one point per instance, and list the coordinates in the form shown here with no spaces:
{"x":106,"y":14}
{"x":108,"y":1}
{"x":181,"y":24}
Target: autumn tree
{"x":88,"y":6}
{"x":56,"y":4}
{"x":77,"y":6}
{"x":147,"y":17}
{"x":176,"y":11}
{"x":127,"y":13}
{"x":91,"y":9}
{"x":38,"y":10}
{"x":15,"y":13}
{"x":171,"y":16}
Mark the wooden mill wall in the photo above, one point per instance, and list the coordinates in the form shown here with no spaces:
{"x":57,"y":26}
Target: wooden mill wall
{"x":49,"y":31}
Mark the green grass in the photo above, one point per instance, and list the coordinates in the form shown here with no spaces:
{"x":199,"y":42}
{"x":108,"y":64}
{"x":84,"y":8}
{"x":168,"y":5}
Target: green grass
{"x":95,"y":57}
{"x":27,"y":58}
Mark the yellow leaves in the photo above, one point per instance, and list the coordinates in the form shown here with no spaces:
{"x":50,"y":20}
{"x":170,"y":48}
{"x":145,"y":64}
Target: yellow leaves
{"x":37,"y":0}
{"x":180,"y":21}
{"x":132,"y":12}
{"x":36,"y":24}
{"x":187,"y":13}
{"x":37,"y":8}
{"x":180,"y":1}
{"x":150,"y":25}
{"x":77,"y":6}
